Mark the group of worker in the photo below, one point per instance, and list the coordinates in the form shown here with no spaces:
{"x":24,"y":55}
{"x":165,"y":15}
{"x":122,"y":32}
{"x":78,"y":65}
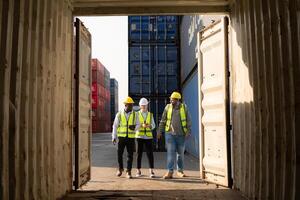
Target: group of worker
{"x":129,"y":126}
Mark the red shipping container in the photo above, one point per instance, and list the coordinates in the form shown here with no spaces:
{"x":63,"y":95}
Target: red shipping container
{"x":94,"y":89}
{"x":97,"y":114}
{"x":95,"y":101}
{"x":97,"y":71}
{"x":98,"y":90}
{"x":102,"y":91}
{"x":101,"y":126}
{"x":98,"y":102}
{"x":97,"y":65}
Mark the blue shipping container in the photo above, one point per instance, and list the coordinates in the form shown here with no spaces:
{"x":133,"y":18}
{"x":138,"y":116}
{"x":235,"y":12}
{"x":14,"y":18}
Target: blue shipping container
{"x":189,"y":28}
{"x":152,"y":28}
{"x":153,"y":69}
{"x":190,"y":98}
{"x":114,"y":98}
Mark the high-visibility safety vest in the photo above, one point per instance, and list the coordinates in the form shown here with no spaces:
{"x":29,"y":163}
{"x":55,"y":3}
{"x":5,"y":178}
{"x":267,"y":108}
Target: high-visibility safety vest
{"x":145,"y":131}
{"x":123,"y":129}
{"x":182,"y":117}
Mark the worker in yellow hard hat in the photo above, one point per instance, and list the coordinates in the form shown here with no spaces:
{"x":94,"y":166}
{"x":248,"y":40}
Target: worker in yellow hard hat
{"x":125,"y":125}
{"x":176,"y":124}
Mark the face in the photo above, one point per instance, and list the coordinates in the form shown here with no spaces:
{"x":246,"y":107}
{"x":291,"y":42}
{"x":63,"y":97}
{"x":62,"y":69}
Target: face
{"x":143,"y":107}
{"x":174,"y":101}
{"x":128,"y":107}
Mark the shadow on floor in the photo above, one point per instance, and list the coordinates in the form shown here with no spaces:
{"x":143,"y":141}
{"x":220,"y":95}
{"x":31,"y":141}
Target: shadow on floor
{"x":205,"y":194}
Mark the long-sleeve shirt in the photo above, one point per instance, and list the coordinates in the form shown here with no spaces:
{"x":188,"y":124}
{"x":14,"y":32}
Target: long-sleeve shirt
{"x":152,"y":124}
{"x":175,"y":121}
{"x":117,"y":123}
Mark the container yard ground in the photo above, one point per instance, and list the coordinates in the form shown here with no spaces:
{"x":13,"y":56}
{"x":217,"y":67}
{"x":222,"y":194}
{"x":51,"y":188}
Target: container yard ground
{"x":105,"y":185}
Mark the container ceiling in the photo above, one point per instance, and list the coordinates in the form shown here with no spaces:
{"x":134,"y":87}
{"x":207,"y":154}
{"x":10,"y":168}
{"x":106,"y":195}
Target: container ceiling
{"x":130,"y":7}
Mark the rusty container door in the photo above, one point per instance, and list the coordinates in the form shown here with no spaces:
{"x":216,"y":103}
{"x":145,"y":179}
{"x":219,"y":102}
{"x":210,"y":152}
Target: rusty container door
{"x":83,"y":105}
{"x":213,"y":74}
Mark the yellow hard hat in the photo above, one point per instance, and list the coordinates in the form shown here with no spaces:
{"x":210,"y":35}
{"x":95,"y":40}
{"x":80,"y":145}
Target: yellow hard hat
{"x":175,"y":95}
{"x":128,"y":100}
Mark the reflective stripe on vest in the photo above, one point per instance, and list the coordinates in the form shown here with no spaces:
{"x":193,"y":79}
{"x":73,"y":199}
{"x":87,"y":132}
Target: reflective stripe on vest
{"x":182,"y":117}
{"x":123,"y":129}
{"x":145,"y":131}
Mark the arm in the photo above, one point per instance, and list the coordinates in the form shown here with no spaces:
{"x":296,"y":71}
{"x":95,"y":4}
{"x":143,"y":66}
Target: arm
{"x":152,"y":123}
{"x":115,"y":126}
{"x":162,"y":123}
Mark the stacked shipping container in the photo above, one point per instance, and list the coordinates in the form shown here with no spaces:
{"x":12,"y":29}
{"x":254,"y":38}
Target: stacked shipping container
{"x":153,"y":62}
{"x":100,"y":97}
{"x":114,"y":98}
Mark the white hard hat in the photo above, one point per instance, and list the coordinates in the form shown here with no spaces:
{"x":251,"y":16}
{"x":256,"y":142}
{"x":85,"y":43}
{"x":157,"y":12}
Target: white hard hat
{"x":143,"y":102}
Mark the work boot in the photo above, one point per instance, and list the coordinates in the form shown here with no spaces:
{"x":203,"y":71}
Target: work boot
{"x":138,"y":173}
{"x":119,"y":172}
{"x":181,"y":174}
{"x":168,"y":175}
{"x":128,"y":175}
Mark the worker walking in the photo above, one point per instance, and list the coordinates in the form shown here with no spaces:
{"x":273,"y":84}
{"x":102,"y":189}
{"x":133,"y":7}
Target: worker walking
{"x":145,"y":137}
{"x":176,"y":124}
{"x":125,"y":125}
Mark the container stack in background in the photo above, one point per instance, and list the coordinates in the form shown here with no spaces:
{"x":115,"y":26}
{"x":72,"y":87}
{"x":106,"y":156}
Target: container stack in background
{"x":107,"y":120}
{"x":100,"y":97}
{"x":153,"y":62}
{"x":114,"y":98}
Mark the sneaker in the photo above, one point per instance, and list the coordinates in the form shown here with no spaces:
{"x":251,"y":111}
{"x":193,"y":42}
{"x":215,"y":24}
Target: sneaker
{"x":168,"y":175}
{"x":151,"y":173}
{"x":181,"y":174}
{"x":119,"y":172}
{"x":128,"y":175}
{"x":138,"y":173}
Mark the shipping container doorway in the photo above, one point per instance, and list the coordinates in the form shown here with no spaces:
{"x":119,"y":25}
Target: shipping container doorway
{"x":215,"y":164}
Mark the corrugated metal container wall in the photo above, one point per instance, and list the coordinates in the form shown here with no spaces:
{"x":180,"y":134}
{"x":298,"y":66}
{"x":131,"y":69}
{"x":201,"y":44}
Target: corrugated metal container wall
{"x":190,"y":98}
{"x":35,"y":99}
{"x":153,"y":69}
{"x":265,"y":71}
{"x":152,"y":28}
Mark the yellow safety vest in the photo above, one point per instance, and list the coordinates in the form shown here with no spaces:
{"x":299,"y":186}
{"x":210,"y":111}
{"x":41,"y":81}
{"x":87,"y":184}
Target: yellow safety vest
{"x":145,"y":131}
{"x":182,"y":117}
{"x":123,"y":129}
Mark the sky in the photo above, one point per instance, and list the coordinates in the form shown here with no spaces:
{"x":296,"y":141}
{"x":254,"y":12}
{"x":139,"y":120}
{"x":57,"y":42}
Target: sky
{"x":110,"y":46}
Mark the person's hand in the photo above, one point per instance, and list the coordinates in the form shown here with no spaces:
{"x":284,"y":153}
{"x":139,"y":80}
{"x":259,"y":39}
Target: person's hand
{"x":132,"y":127}
{"x":114,"y":141}
{"x":148,"y":126}
{"x":159,"y":135}
{"x":187,"y":135}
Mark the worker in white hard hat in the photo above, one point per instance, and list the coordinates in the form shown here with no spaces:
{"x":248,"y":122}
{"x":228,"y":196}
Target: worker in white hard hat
{"x":145,"y":137}
{"x":125,"y":125}
{"x":176,"y":124}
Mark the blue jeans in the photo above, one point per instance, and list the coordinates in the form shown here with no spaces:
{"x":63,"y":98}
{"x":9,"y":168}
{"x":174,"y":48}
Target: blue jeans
{"x":175,"y":147}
